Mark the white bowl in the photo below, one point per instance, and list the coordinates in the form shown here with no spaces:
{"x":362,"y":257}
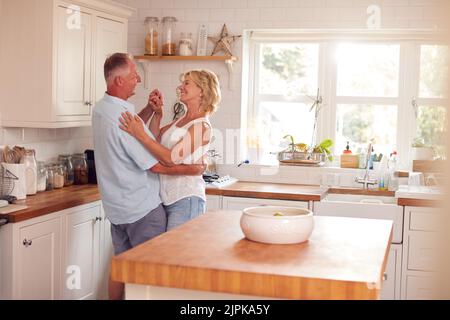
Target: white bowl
{"x":262,"y":225}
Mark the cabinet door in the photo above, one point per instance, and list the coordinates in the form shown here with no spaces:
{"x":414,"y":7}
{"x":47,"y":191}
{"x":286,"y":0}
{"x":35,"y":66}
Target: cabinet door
{"x":74,"y":51}
{"x":39,"y":261}
{"x":106,"y":253}
{"x":213,"y":203}
{"x":82,"y":253}
{"x":419,"y":288}
{"x":110,"y":38}
{"x":236,"y":203}
{"x":391,"y":286}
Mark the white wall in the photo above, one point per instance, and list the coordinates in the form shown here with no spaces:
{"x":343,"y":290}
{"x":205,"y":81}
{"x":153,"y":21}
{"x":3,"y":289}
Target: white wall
{"x":247,"y":14}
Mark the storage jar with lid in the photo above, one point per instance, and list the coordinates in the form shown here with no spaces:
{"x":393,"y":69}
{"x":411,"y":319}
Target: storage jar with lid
{"x":41,"y":176}
{"x":169,"y":47}
{"x":185,"y":46}
{"x":49,"y":175}
{"x":151,"y":37}
{"x":30,"y":171}
{"x":58,"y":176}
{"x":69,"y":175}
{"x":80,"y":168}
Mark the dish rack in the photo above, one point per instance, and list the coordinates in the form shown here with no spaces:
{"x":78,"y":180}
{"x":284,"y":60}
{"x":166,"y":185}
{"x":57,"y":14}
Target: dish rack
{"x":302,"y":158}
{"x":6,"y":182}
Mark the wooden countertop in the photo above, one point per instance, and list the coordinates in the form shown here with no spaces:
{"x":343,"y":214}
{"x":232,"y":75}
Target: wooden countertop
{"x":420,"y":203}
{"x":53,"y":201}
{"x":263,"y":190}
{"x":345,"y":258}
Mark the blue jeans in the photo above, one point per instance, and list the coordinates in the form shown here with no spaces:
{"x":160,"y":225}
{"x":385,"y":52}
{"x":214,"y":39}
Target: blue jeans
{"x":184,"y":210}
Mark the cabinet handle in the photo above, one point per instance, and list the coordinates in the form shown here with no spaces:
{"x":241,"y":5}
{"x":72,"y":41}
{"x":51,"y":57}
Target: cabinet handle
{"x":27,"y":243}
{"x":88,"y":103}
{"x":385,"y":276}
{"x":97,"y":219}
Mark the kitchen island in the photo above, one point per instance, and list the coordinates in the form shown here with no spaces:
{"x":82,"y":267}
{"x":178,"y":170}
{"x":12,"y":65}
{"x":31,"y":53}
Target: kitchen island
{"x":209,"y":258}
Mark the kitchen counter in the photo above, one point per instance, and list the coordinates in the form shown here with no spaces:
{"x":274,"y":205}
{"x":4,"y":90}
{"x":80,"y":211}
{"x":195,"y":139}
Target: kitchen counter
{"x":53,"y":201}
{"x":419,"y":196}
{"x":263,"y":190}
{"x":209,"y":257}
{"x":65,"y":198}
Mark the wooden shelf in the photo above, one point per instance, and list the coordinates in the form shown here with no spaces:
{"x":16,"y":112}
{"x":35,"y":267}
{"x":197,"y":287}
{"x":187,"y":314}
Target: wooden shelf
{"x":147,"y":60}
{"x":178,"y":58}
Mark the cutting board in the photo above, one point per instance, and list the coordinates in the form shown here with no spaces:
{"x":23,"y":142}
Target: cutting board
{"x":12,"y":208}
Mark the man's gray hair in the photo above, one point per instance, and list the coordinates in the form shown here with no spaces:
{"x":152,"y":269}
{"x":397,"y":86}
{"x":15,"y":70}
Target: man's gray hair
{"x":114,"y":63}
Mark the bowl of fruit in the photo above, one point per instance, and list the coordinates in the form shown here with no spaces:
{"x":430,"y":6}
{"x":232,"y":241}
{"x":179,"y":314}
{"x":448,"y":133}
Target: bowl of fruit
{"x":277,"y":225}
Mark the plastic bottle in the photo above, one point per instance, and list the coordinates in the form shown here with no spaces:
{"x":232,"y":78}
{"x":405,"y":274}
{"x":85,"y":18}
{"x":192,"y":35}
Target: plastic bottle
{"x":392,"y":167}
{"x":202,"y":40}
{"x":383,"y":176}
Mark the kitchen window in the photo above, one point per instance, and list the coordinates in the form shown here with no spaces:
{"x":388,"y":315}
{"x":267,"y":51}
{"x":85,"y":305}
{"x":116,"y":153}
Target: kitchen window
{"x":387,"y":87}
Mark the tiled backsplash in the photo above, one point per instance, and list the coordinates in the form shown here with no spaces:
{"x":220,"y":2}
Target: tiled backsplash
{"x":48,"y":143}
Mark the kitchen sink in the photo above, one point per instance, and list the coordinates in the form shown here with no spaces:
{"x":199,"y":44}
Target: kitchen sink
{"x":362,"y":206}
{"x":363,"y":199}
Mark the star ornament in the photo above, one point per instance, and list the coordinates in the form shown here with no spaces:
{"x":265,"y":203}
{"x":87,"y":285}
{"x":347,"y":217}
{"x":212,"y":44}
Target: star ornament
{"x":223,"y":42}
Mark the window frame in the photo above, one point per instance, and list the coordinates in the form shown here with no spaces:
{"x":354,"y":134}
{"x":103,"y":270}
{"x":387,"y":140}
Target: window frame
{"x":328,"y":40}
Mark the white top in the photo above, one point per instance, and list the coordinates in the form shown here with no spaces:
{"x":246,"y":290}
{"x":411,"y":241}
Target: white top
{"x":174,"y":188}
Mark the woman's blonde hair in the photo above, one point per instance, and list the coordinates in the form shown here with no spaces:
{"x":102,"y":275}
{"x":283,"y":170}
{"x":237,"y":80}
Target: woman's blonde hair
{"x":209,"y":83}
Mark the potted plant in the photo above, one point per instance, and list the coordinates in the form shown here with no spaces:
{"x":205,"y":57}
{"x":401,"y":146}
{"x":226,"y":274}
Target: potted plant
{"x":420,"y":151}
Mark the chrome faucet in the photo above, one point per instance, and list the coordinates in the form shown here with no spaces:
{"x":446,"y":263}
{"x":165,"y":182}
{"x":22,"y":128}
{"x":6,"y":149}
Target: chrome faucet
{"x":366,"y":181}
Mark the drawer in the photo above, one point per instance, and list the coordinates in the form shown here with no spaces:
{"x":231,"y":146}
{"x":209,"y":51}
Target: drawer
{"x":422,"y":251}
{"x":423,"y":220}
{"x":419,"y":288}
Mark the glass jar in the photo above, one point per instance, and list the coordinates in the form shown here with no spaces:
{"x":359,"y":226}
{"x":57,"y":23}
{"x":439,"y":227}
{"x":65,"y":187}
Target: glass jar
{"x":185,"y":46}
{"x":30,"y":171}
{"x":69,"y":175}
{"x":49,"y":177}
{"x":80,"y":168}
{"x":41,"y":176}
{"x":58,"y":177}
{"x":151,"y":37}
{"x":169,"y":47}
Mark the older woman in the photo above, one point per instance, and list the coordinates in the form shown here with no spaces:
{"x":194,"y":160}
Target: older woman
{"x":184,"y":141}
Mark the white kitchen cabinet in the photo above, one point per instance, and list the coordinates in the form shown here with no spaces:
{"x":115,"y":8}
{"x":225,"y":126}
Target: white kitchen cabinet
{"x":390,"y":289}
{"x":47,"y":257}
{"x":213,"y":203}
{"x":238,"y":203}
{"x":74,"y":47}
{"x":419,"y":287}
{"x":82,"y":253}
{"x":38,"y":261}
{"x":106,"y":253}
{"x":110,"y":37}
{"x":420,"y":253}
{"x":55,"y":51}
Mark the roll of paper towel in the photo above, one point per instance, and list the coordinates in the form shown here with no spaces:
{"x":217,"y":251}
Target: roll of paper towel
{"x":20,"y":184}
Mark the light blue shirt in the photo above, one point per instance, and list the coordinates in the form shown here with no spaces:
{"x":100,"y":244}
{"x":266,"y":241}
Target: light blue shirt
{"x":129,"y":190}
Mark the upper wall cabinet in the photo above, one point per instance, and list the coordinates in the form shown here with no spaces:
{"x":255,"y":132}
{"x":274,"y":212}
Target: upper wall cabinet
{"x":52,"y":54}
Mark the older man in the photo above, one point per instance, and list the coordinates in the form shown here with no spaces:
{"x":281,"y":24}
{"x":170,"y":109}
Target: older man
{"x":128,"y":187}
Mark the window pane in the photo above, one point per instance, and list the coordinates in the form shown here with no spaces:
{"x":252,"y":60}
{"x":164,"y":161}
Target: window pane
{"x":368,"y":70}
{"x":358,"y":124}
{"x":289,"y":69}
{"x":433,"y":71}
{"x":278,"y":119}
{"x":432,"y":127}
